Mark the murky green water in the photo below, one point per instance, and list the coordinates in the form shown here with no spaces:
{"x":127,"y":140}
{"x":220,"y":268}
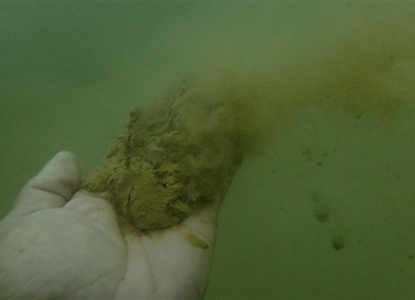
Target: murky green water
{"x":326,"y":211}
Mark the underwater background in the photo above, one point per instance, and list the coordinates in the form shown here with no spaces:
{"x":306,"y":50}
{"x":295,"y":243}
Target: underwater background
{"x":325,"y":210}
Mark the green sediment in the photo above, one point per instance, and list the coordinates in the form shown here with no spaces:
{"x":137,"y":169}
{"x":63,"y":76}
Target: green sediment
{"x":170,"y":161}
{"x":196,"y":241}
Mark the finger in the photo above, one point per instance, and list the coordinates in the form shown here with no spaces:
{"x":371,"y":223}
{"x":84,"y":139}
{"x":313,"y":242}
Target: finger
{"x":97,"y":209}
{"x":52,"y":187}
{"x":204,"y":223}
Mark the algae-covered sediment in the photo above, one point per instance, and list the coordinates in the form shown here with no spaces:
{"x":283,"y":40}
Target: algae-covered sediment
{"x":170,"y":160}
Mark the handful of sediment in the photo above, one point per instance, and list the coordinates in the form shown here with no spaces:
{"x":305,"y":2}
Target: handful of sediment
{"x":170,"y":160}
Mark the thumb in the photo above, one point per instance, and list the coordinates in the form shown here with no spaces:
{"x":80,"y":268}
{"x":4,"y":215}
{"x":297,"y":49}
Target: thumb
{"x":52,"y":187}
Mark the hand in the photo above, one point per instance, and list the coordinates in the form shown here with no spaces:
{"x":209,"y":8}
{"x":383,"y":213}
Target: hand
{"x":62,"y":242}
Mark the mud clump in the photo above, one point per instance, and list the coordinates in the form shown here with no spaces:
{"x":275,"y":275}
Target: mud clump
{"x":170,"y":160}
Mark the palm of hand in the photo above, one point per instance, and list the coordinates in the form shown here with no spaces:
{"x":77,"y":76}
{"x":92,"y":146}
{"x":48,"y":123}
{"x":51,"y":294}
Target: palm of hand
{"x":54,"y":248}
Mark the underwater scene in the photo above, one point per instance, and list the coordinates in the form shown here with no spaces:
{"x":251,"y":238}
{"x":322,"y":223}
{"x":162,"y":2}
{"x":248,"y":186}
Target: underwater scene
{"x":221,"y":150}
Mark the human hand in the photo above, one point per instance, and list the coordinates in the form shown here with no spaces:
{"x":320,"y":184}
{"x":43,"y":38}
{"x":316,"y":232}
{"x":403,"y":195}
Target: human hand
{"x":62,"y":242}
